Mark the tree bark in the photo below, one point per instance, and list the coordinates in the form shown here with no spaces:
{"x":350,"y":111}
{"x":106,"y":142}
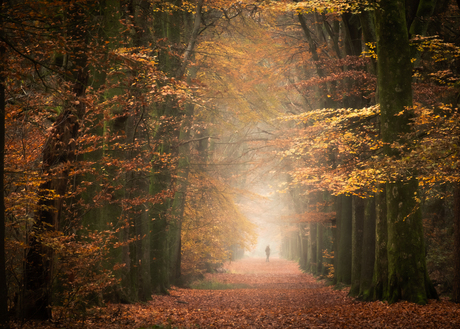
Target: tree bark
{"x":368,"y":254}
{"x":407,"y":275}
{"x":312,"y":248}
{"x":3,"y":287}
{"x":327,"y":102}
{"x":336,"y":226}
{"x":425,"y":10}
{"x":319,"y":248}
{"x":380,"y":277}
{"x":357,"y":244}
{"x":345,"y":244}
{"x":456,"y":278}
{"x":304,"y":248}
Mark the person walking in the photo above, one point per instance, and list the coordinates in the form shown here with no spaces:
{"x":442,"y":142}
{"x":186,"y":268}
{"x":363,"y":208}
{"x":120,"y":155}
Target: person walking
{"x":267,"y":252}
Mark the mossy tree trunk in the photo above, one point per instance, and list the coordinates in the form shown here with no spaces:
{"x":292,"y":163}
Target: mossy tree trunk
{"x":356,"y":244}
{"x":105,"y":201}
{"x":303,"y":229}
{"x":138,"y":280}
{"x":183,"y":168}
{"x":319,"y":248}
{"x":167,"y":26}
{"x":178,"y":205}
{"x":344,"y":248}
{"x":407,"y":274}
{"x":456,"y":278}
{"x":380,"y":277}
{"x":312,"y":246}
{"x":368,"y":252}
{"x":336,"y":225}
{"x":3,"y":288}
{"x":304,"y":248}
{"x":326,"y":250}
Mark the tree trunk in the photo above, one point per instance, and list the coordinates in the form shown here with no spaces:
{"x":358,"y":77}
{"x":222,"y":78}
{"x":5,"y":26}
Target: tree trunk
{"x":178,"y":205}
{"x":407,"y":275}
{"x":312,"y":248}
{"x":368,"y":254}
{"x":425,"y":10}
{"x":107,"y":211}
{"x":58,"y":157}
{"x":328,"y":235}
{"x":336,"y":226}
{"x":3,"y":287}
{"x":345,"y":244}
{"x":319,"y":248}
{"x":456,"y":278}
{"x":380,"y":277}
{"x":322,"y":92}
{"x":304,"y":249}
{"x":366,"y":19}
{"x":357,"y":244}
{"x":167,"y":255}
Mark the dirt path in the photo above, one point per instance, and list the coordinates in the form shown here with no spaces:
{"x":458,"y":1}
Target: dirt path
{"x":280,"y":296}
{"x":276,"y":295}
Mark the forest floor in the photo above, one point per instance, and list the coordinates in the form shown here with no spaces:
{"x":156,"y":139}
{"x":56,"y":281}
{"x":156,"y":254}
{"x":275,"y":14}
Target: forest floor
{"x":266,"y":295}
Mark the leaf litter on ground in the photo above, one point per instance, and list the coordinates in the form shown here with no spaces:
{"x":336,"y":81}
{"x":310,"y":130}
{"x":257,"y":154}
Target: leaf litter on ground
{"x":276,"y":294}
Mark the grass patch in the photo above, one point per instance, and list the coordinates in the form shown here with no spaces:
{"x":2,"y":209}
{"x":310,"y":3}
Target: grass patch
{"x":216,"y":285}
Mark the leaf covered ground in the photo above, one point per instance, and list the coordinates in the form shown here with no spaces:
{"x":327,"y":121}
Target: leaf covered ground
{"x":268,"y":295}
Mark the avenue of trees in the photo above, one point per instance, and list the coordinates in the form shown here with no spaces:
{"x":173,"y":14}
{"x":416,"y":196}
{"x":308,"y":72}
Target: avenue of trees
{"x":132,"y":131}
{"x":377,"y":161}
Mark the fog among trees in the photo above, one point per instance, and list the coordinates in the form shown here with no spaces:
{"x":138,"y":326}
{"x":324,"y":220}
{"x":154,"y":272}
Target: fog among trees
{"x":147,"y":143}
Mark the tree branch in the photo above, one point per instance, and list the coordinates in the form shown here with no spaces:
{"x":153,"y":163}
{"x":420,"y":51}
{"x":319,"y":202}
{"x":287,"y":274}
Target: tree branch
{"x":192,"y":41}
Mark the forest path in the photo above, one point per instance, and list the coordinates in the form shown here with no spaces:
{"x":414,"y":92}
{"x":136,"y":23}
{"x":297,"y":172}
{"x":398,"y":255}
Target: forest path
{"x":272,"y":295}
{"x":275,"y":294}
{"x":279,"y":295}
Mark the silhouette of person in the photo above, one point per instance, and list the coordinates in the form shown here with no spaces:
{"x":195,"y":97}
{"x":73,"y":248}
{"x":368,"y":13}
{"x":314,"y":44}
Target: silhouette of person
{"x":267,"y":251}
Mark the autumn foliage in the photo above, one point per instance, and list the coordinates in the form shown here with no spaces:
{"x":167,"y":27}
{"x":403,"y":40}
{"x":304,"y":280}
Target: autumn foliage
{"x":140,"y":134}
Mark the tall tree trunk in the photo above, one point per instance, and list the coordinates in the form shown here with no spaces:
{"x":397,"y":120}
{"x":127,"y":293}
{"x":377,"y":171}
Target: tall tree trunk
{"x":345,"y":242}
{"x":425,"y":10}
{"x":178,"y":205}
{"x":336,"y":227}
{"x":323,"y":92}
{"x":353,"y":47}
{"x":3,"y":287}
{"x":58,"y":156}
{"x":380,"y":278}
{"x":303,"y":248}
{"x":357,"y":244}
{"x":456,"y":278}
{"x":407,"y":274}
{"x":168,"y":254}
{"x":107,"y":210}
{"x":368,"y":254}
{"x":166,"y":27}
{"x":327,"y":244}
{"x":368,"y":29}
{"x":319,"y":248}
{"x":312,"y":248}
